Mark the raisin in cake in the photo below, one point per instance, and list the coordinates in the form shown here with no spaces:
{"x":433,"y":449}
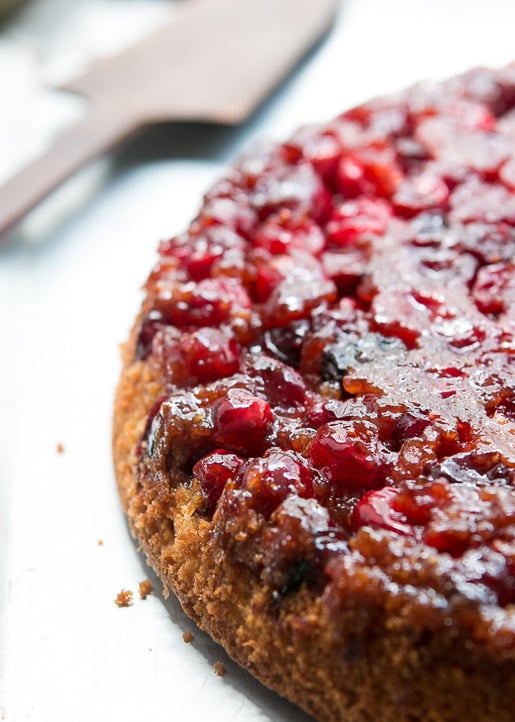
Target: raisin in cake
{"x":314,"y":433}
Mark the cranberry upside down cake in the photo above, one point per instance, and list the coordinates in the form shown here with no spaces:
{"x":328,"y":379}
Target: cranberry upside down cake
{"x":314,"y":432}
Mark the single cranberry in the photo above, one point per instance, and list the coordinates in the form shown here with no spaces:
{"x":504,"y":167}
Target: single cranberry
{"x":351,"y":455}
{"x":234,"y":213}
{"x":213,"y":472}
{"x":361,"y":218}
{"x":268,"y":277}
{"x":416,"y":505}
{"x":285,"y":343}
{"x":242,"y":421}
{"x":376,"y":509}
{"x":291,"y":301}
{"x":297,"y":188}
{"x":208,"y":354}
{"x":396,"y":313}
{"x":284,"y":230}
{"x":370,"y":171}
{"x":325,"y":410}
{"x":410,"y":425}
{"x":278,"y":474}
{"x":425,"y":191}
{"x":346,"y":267}
{"x":283,"y":386}
{"x":296,"y":267}
{"x":321,"y":148}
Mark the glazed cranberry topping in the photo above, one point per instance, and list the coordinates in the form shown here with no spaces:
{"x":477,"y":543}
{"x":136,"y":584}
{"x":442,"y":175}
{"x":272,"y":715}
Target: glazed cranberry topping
{"x":336,"y":333}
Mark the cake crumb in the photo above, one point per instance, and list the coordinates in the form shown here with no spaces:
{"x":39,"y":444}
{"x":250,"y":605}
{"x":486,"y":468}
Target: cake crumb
{"x":145,"y":588}
{"x":187,"y":637}
{"x":219,"y":668}
{"x":100,"y":542}
{"x":60,"y":448}
{"x":124,"y":598}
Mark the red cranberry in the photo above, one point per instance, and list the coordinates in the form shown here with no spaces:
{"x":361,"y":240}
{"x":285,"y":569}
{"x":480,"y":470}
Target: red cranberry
{"x":346,"y":267}
{"x":285,"y":343}
{"x":210,"y":248}
{"x":322,"y":149}
{"x":283,"y":386}
{"x":323,"y":411}
{"x":410,"y":425}
{"x":272,"y":478}
{"x":376,"y":509}
{"x":242,"y":421}
{"x":396,"y":313}
{"x":210,"y":302}
{"x":417,"y":505}
{"x":213,"y":472}
{"x":351,"y":455}
{"x":292,"y":300}
{"x":371,"y":171}
{"x":354,"y":220}
{"x":297,"y":266}
{"x":297,"y":188}
{"x":419,"y":193}
{"x":233,"y":213}
{"x":208,"y":354}
{"x":284,"y":230}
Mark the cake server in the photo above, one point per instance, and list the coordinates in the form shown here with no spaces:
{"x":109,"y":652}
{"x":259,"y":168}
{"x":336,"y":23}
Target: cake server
{"x":214,"y":60}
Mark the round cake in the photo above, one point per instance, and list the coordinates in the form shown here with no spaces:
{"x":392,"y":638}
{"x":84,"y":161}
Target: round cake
{"x":314,"y":432}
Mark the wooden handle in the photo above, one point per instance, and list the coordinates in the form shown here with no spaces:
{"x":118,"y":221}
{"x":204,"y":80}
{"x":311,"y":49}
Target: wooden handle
{"x":97,"y":132}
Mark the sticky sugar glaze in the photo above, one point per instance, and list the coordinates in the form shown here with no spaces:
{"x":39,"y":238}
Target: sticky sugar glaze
{"x":336,"y":331}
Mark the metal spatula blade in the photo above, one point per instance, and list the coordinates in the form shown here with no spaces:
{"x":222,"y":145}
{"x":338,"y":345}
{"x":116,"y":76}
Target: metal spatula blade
{"x":215,"y":60}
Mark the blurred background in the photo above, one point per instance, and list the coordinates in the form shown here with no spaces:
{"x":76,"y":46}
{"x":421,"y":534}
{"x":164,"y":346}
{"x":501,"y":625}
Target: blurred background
{"x":70,"y":278}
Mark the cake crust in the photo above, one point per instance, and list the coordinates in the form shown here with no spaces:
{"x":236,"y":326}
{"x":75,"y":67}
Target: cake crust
{"x":350,"y":598}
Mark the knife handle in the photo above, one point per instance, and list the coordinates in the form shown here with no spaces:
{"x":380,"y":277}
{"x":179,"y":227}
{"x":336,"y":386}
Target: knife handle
{"x":96,"y":133}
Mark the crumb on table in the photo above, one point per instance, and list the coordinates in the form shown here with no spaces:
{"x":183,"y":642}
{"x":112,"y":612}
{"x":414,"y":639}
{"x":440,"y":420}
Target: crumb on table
{"x":100,"y":542}
{"x":219,"y":668}
{"x":187,"y":637}
{"x":145,"y":588}
{"x":124,"y":598}
{"x":60,"y":448}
